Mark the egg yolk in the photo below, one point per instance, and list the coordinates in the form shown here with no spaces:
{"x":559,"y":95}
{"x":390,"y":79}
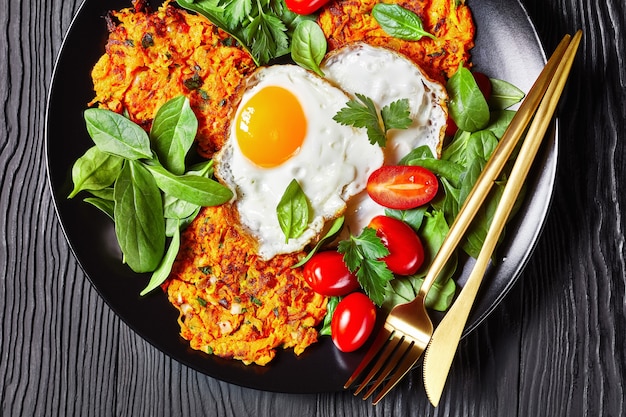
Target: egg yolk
{"x":271,"y":126}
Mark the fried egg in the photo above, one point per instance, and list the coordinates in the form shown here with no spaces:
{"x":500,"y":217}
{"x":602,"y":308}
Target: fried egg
{"x":283,"y":129}
{"x":385,"y":76}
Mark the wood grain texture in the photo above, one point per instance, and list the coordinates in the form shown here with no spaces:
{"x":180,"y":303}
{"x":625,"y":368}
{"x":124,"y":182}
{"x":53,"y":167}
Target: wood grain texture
{"x":554,"y":347}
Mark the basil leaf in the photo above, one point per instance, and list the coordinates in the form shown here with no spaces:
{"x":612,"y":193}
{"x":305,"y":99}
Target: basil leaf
{"x":308,"y":46}
{"x":173,"y":132}
{"x":115,"y":134}
{"x":504,"y":94}
{"x":139,"y":224}
{"x":293,"y":211}
{"x":95,"y":170}
{"x":192,"y":188}
{"x":399,"y":22}
{"x":466,"y":103}
{"x":165,"y":267}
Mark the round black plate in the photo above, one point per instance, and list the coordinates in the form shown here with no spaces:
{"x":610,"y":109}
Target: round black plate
{"x":507,"y":47}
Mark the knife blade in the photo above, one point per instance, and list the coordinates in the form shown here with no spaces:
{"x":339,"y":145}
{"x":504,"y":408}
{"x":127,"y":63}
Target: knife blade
{"x":444,"y":342}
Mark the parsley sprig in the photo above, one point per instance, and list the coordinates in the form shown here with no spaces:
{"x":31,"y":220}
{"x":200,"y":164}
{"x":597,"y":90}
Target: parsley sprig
{"x":263,"y":27}
{"x":362,"y":254}
{"x":362,"y":113}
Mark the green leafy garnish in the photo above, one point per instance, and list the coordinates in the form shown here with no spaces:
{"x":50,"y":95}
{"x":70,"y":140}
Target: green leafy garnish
{"x":466,"y":103}
{"x":332,"y":232}
{"x":308,"y":46}
{"x":362,"y":254}
{"x":127,"y":180}
{"x":362,"y":113}
{"x":399,"y":22}
{"x":263,"y":27}
{"x":293,"y":211}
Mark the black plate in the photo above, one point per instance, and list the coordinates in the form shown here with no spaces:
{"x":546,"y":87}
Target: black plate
{"x":507,"y":47}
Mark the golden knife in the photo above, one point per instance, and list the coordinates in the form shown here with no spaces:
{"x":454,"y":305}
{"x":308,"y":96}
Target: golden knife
{"x":444,"y":342}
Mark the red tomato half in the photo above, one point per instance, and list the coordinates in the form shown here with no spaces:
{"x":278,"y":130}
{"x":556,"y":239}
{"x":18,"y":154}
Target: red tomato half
{"x":327,"y":274}
{"x":305,"y":6}
{"x":406,"y":253}
{"x":402,"y":187}
{"x":352,"y":322}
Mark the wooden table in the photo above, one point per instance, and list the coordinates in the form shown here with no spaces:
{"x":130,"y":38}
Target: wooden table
{"x":554,"y":346}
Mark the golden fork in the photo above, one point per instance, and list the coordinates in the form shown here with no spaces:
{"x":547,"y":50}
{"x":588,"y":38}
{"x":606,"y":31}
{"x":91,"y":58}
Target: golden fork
{"x":408,"y":328}
{"x":445,"y":340}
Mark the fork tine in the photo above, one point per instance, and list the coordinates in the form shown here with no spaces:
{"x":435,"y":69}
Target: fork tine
{"x":385,"y":353}
{"x":402,"y":369}
{"x":380,"y":341}
{"x":402,"y":348}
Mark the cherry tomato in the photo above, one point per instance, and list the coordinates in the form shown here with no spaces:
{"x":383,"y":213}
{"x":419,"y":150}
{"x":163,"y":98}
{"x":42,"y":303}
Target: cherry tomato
{"x":352,"y":322}
{"x":484,"y":84}
{"x":402,"y":187}
{"x":327,"y":274}
{"x":305,"y":6}
{"x":406,"y":253}
{"x":451,"y":127}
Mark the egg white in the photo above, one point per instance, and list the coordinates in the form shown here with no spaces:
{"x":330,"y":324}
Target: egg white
{"x":332,"y":165}
{"x":385,"y":76}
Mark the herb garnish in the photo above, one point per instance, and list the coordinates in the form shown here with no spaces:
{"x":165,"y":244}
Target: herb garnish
{"x":362,"y":254}
{"x":263,"y":27}
{"x":361,"y":112}
{"x":128,"y":178}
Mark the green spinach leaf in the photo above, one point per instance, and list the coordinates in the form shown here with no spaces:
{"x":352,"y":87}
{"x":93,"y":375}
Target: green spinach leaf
{"x":399,"y":22}
{"x":139,"y":223}
{"x":95,"y":170}
{"x":173,"y":132}
{"x":308,"y":46}
{"x":163,"y":270}
{"x":115,"y":134}
{"x":192,"y":188}
{"x":293,"y":211}
{"x":466,"y":103}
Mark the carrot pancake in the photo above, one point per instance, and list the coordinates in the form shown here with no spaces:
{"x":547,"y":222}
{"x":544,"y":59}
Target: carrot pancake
{"x":152,"y":57}
{"x":234,"y":305}
{"x":345,"y":21}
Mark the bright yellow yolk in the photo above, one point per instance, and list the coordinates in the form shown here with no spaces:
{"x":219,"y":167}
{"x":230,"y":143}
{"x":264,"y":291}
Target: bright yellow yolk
{"x":271,"y":127}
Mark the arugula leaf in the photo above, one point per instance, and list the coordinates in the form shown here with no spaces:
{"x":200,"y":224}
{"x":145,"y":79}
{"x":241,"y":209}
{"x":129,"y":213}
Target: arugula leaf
{"x":362,"y":113}
{"x":362,"y":255}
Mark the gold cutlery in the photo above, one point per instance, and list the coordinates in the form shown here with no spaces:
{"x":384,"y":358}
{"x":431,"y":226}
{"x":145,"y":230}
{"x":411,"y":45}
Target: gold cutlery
{"x":408,"y":329}
{"x":441,"y":350}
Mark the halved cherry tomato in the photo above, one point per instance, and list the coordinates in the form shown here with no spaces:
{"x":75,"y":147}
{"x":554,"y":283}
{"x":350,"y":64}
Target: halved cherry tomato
{"x":352,"y":322}
{"x":401,"y":186}
{"x":406,"y":253}
{"x":305,"y":6}
{"x":484,"y":84}
{"x":327,"y":274}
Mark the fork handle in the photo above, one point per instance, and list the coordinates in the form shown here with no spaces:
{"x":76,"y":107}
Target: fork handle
{"x":492,"y":169}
